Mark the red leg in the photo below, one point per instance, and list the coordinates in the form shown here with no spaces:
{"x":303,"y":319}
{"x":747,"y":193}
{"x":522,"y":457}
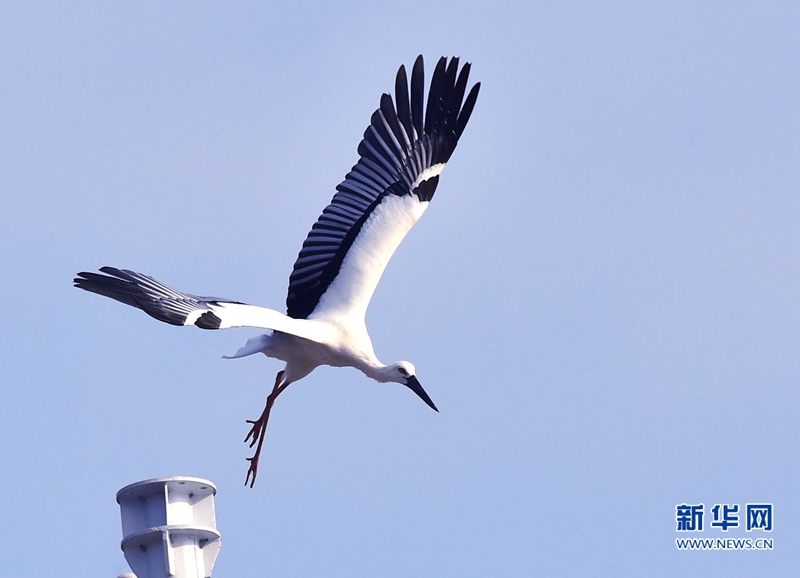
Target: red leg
{"x":259,"y":429}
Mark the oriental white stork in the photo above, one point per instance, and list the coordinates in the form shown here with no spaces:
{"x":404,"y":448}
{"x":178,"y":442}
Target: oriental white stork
{"x":342,"y":259}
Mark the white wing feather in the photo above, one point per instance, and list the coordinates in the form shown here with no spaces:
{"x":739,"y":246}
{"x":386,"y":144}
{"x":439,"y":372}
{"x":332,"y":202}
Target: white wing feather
{"x":348,"y":296}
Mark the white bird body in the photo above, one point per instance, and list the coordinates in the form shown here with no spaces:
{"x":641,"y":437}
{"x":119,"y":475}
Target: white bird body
{"x":344,"y":255}
{"x":335,"y":345}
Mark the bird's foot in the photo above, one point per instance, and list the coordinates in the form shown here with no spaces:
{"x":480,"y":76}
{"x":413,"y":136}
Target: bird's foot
{"x":252,"y":471}
{"x":259,"y":429}
{"x":257,"y":434}
{"x":255,"y":431}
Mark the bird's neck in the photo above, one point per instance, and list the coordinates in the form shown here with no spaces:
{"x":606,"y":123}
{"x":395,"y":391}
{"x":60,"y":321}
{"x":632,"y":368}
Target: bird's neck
{"x":376,"y":370}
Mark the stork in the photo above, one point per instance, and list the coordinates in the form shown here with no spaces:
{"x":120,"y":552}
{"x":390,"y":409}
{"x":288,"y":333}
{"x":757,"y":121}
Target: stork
{"x":344,"y":255}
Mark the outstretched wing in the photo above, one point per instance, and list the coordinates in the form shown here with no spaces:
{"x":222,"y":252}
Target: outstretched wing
{"x":402,"y":154}
{"x":170,"y":306}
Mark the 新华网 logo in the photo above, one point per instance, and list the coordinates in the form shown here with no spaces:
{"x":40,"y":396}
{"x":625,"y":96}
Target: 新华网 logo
{"x":753,"y":517}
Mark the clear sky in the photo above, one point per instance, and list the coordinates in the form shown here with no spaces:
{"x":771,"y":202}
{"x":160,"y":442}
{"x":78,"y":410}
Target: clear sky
{"x":602,"y":299}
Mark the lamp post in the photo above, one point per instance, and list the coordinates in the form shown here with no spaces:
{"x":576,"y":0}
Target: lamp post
{"x":169,"y":527}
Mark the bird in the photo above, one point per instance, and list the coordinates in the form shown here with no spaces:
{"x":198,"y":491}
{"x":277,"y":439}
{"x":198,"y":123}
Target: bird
{"x":401,"y":157}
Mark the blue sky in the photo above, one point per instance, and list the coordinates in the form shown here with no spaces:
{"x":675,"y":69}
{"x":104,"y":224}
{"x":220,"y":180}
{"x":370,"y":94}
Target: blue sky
{"x":601,"y":300}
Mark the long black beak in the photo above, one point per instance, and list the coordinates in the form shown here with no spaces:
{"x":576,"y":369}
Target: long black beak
{"x":413,"y":385}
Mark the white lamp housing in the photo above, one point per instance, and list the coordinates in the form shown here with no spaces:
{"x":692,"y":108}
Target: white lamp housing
{"x":169,"y":527}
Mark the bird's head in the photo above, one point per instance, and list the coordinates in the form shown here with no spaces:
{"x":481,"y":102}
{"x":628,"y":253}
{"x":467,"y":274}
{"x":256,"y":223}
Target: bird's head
{"x":405,"y":373}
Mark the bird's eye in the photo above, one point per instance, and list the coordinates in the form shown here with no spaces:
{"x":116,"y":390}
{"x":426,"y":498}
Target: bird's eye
{"x":403,"y":371}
